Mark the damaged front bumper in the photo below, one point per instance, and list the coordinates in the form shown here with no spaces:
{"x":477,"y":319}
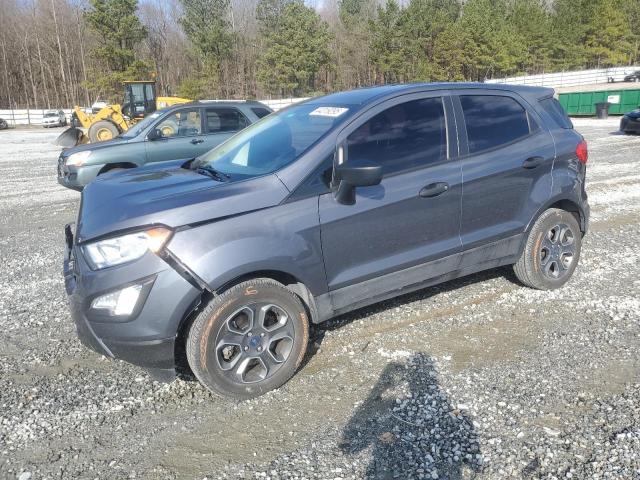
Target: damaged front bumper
{"x":146,"y":337}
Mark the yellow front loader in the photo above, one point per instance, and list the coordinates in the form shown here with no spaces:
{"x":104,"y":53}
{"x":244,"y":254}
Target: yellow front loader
{"x":139,"y":101}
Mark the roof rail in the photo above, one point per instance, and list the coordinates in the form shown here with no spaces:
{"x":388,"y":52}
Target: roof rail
{"x":225,"y":101}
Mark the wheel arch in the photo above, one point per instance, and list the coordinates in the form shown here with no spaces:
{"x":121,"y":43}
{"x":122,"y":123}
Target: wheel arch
{"x":111,"y":166}
{"x":567,"y":205}
{"x":561,"y":203}
{"x":288,"y":280}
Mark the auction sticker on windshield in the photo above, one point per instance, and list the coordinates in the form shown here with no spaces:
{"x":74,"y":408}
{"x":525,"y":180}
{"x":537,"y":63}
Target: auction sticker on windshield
{"x":328,"y":111}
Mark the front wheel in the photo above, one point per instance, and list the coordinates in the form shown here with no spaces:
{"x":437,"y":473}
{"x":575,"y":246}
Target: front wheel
{"x":248,"y":340}
{"x":552,"y":251}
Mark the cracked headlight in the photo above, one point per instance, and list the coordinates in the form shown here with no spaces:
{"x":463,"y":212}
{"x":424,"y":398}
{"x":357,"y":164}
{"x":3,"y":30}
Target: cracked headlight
{"x":126,"y":248}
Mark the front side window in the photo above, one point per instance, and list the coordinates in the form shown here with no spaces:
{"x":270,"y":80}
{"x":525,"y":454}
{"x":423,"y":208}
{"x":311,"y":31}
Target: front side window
{"x":138,"y":127}
{"x":403,"y":137}
{"x":493,"y":120}
{"x":224,"y":119}
{"x":183,"y":123}
{"x":275,"y":141}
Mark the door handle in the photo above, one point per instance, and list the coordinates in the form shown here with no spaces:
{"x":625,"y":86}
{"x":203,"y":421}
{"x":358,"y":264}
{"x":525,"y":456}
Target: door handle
{"x":196,"y":141}
{"x":434,"y":189}
{"x":532,"y":162}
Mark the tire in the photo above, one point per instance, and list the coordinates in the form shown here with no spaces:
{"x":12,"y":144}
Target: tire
{"x":102,"y":130}
{"x":249,"y":340}
{"x":551,"y":252}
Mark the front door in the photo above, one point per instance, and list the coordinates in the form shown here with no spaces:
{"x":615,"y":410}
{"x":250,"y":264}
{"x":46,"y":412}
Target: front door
{"x":413,"y":216}
{"x":182,"y":137}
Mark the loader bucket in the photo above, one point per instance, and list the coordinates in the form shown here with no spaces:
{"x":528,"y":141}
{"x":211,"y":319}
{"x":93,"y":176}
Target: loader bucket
{"x":71,"y":137}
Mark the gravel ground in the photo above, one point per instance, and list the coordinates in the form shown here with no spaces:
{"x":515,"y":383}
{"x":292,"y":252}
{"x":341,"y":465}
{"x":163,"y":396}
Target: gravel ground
{"x":475,"y":378}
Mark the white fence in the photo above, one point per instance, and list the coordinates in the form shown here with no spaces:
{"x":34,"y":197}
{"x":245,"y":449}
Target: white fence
{"x":281,"y":103}
{"x":35,"y":116}
{"x":570,"y":79}
{"x":28,"y":117}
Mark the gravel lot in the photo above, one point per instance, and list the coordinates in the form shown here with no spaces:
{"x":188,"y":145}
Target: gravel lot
{"x":475,"y":378}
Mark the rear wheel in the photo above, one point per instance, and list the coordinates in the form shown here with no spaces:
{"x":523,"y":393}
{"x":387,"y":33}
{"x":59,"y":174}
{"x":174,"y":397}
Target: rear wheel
{"x":552,"y":251}
{"x":102,"y":130}
{"x":248,"y":340}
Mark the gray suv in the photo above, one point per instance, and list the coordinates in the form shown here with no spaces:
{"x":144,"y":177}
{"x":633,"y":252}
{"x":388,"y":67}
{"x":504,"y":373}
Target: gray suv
{"x":224,"y":262}
{"x":180,"y":132}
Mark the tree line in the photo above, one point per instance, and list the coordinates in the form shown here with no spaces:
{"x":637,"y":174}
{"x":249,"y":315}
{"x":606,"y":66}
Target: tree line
{"x":56,"y":53}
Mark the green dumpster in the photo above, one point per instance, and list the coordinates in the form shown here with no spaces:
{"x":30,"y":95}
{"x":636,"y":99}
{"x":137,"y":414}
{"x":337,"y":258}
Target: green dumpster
{"x":584,"y":103}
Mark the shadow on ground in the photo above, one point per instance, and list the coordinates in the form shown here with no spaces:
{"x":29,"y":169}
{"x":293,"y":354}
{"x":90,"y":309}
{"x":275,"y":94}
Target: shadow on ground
{"x":319,"y":331}
{"x":412,"y":428}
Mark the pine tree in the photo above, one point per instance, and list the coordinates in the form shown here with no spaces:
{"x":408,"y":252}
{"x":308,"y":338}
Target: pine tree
{"x":493,"y":46}
{"x":608,"y":39}
{"x":531,"y":20}
{"x":352,"y":43}
{"x":268,"y":13}
{"x":387,"y":49}
{"x":206,"y":24}
{"x":120,"y":31}
{"x":295,"y":52}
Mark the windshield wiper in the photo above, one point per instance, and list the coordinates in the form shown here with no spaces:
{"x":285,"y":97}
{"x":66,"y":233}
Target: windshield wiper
{"x":213,"y":173}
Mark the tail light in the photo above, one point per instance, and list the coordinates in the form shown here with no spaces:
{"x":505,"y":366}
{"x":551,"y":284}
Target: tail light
{"x":582,"y":152}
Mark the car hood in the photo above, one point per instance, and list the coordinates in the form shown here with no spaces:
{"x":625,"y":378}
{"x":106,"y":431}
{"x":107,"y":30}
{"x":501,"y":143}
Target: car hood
{"x":94,"y":146}
{"x":633,"y":114}
{"x":170,"y":195}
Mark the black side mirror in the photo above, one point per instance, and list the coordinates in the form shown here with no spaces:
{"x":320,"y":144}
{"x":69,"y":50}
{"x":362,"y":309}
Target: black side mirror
{"x":155,"y":134}
{"x":352,"y":175}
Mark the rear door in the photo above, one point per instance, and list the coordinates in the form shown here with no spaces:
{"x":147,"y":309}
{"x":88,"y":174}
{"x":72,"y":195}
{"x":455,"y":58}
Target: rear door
{"x":507,"y":158}
{"x":220,"y":123}
{"x":408,"y":219}
{"x":182,"y":136}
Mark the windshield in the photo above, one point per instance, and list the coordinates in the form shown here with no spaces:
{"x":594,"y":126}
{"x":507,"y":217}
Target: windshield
{"x":135,"y":130}
{"x":274,"y":141}
{"x":50,"y":114}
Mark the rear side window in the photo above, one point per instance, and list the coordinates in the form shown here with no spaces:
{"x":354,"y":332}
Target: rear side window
{"x":493,"y":120}
{"x":224,"y":119}
{"x":556,"y":112}
{"x":260,"y":111}
{"x":405,"y":136}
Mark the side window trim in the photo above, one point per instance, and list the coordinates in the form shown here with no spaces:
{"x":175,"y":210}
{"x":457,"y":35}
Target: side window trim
{"x":462,"y":124}
{"x":453,"y":136}
{"x":367,"y":115}
{"x":202,"y":122}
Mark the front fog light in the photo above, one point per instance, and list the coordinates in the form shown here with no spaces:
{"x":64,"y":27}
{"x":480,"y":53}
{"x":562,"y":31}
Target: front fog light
{"x":121,"y":302}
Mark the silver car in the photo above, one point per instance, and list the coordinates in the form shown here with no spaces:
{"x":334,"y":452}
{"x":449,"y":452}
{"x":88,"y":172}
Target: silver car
{"x":54,"y":118}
